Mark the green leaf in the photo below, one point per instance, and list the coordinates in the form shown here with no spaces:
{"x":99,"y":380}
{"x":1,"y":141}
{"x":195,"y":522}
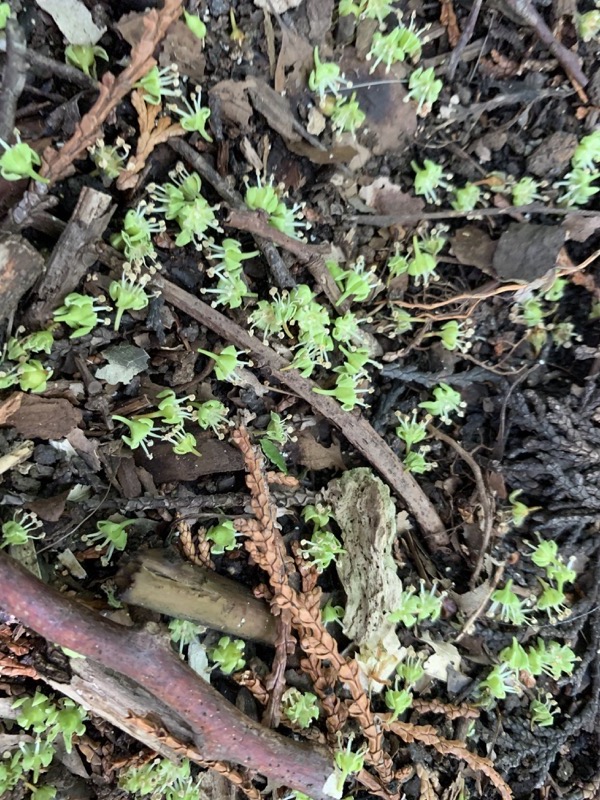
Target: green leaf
{"x":274,"y":455}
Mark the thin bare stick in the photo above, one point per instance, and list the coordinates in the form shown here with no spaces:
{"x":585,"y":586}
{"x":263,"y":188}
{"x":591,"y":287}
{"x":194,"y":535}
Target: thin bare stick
{"x":385,"y":220}
{"x":13,"y":77}
{"x":487,"y":505}
{"x":280,"y":273}
{"x":354,"y":427}
{"x":568,"y":60}
{"x":464,"y":40}
{"x":220,"y":731}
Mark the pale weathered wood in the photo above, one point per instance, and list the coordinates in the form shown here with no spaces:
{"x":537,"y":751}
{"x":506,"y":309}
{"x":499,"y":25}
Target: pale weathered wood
{"x":155,"y":580}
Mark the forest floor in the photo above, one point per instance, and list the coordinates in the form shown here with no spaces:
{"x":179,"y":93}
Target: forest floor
{"x":376,"y":281}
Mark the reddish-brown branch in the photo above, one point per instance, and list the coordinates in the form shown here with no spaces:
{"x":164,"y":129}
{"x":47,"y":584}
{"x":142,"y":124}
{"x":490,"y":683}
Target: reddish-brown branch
{"x":222,"y":733}
{"x":58,"y":163}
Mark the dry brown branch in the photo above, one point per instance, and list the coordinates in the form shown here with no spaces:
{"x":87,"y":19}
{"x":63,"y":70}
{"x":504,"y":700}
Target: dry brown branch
{"x":462,"y":711}
{"x":486,"y":500}
{"x":429,"y":736}
{"x":59,"y":163}
{"x":153,"y":131}
{"x":195,"y":550}
{"x":219,"y":730}
{"x":354,"y":427}
{"x":267,"y":549}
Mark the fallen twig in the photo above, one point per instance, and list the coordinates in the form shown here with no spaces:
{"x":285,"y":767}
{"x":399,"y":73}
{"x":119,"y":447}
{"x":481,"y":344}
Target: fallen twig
{"x":219,"y":730}
{"x":485,"y":499}
{"x":464,"y":40}
{"x":73,"y":254}
{"x":281,"y":275}
{"x":385,"y":220}
{"x":354,"y":427}
{"x":569,"y":61}
{"x":13,"y":77}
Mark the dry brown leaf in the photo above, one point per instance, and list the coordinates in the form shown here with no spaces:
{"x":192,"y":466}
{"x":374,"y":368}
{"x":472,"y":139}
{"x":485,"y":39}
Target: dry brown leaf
{"x":448,"y":20}
{"x":295,"y":52}
{"x":166,"y":466}
{"x":386,"y":197}
{"x":153,"y":131}
{"x":183,"y":48}
{"x":320,"y":13}
{"x":391,"y":120}
{"x":40,"y":417}
{"x":474,"y":247}
{"x":234,"y":104}
{"x":316,"y":456}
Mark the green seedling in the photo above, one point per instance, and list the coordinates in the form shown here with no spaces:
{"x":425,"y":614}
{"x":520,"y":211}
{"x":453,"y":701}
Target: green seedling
{"x":184,"y":443}
{"x":19,"y":530}
{"x":507,"y":605}
{"x":18,"y":162}
{"x":109,"y":536}
{"x":398,"y":701}
{"x":211,"y":414}
{"x":345,"y":392}
{"x":499,"y":683}
{"x":4,"y":15}
{"x":195,"y":24}
{"x":33,"y":376}
{"x":80,"y":313}
{"x":83,"y":57}
{"x":128,"y":294}
{"x":141,"y":432}
{"x":347,"y":763}
{"x":227,"y":362}
{"x":519,"y":511}
{"x":424,"y":88}
{"x":159,"y":83}
{"x":223,"y":537}
{"x":109,"y":158}
{"x":447,"y":401}
{"x":543,"y":710}
{"x":301,"y":708}
{"x":325,"y":77}
{"x":183,"y":632}
{"x":579,"y":189}
{"x":428,"y":178}
{"x":322,"y":549}
{"x":587,"y":152}
{"x":347,"y":115}
{"x":466,"y":199}
{"x":331,"y":613}
{"x":228,"y":655}
{"x":193,"y":117}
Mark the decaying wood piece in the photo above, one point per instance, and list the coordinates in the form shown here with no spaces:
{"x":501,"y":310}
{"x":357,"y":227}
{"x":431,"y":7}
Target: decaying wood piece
{"x":73,"y":254}
{"x":20,"y":267}
{"x":353,"y":426}
{"x":130,"y":708}
{"x":157,"y":581}
{"x":220,"y":731}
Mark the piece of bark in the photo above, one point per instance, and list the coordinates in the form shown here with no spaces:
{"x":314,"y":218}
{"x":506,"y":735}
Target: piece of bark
{"x":157,"y":581}
{"x":166,"y":466}
{"x":39,"y":417}
{"x":73,"y":254}
{"x":219,"y":730}
{"x":122,"y":702}
{"x":20,"y":267}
